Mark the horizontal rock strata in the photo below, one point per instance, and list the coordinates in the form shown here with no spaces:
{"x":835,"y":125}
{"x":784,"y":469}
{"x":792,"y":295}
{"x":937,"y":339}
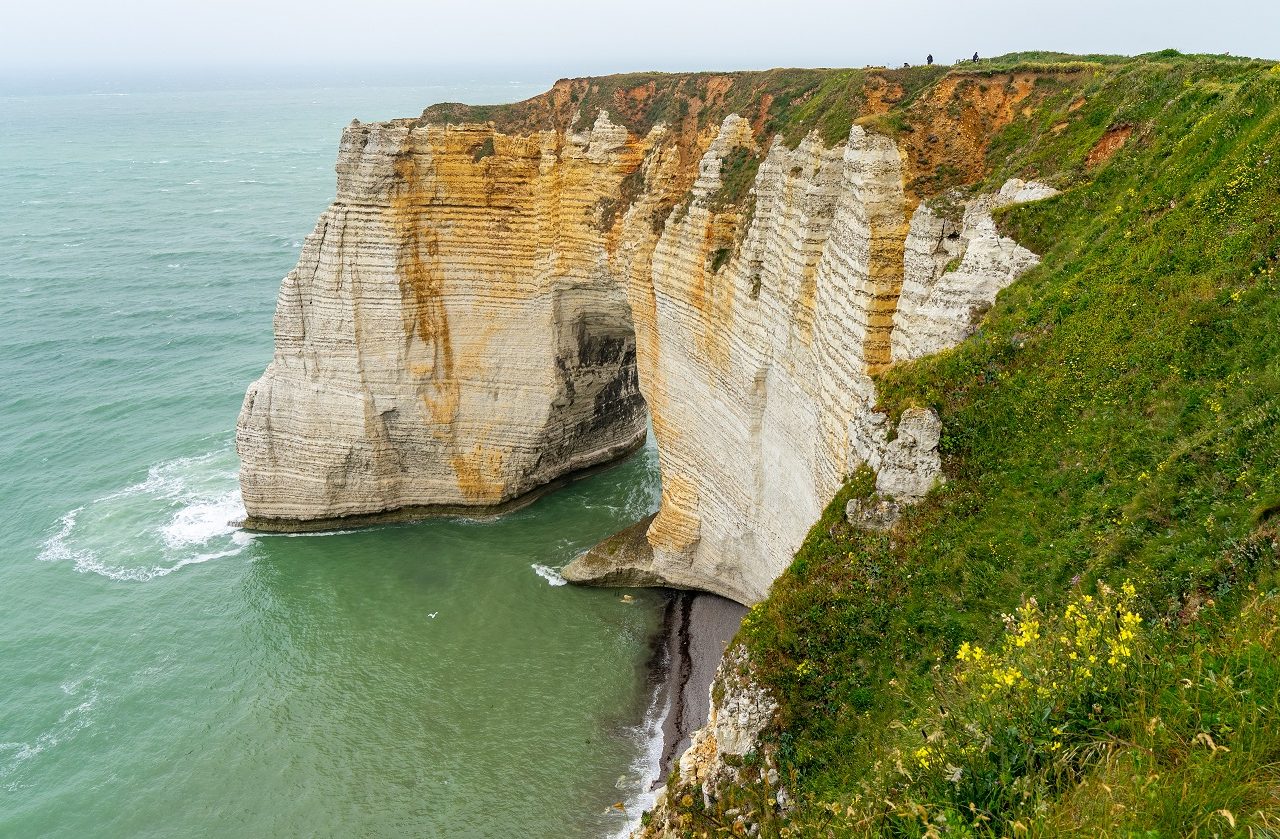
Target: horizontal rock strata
{"x":451,"y":338}
{"x":757,"y":356}
{"x":481,"y":314}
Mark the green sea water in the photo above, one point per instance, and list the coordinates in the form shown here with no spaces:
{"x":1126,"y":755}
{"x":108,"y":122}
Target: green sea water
{"x":164,"y":675}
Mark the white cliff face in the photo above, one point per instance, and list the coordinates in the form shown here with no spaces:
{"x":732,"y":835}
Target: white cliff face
{"x":940,"y":308}
{"x":762,"y":351}
{"x":762,"y":360}
{"x":464,"y":327}
{"x":451,"y":337}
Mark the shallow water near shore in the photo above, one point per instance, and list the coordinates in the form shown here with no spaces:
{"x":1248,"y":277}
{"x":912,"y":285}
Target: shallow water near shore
{"x":167,"y":675}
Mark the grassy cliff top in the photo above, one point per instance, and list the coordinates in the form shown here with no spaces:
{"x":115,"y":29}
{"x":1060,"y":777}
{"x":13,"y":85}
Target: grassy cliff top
{"x":945,"y":117}
{"x":1112,"y":447}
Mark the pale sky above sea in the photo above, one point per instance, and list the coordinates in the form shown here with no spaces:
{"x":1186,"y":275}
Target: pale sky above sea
{"x":576,"y":38}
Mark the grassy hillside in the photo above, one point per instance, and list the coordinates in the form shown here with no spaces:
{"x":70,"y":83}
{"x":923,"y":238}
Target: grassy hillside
{"x":1113,"y":464}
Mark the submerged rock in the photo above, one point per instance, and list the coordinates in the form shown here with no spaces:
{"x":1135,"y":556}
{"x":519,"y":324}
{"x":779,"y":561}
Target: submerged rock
{"x":624,"y":559}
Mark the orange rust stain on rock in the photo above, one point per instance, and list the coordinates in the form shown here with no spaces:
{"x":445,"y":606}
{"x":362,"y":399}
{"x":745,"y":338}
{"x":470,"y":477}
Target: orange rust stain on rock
{"x":676,"y":528}
{"x":629,"y":105}
{"x":952,"y":125}
{"x":762,"y":114}
{"x":1108,"y":144}
{"x":479,"y":473}
{"x":628,"y":168}
{"x":884,"y":270}
{"x":428,"y":342}
{"x":711,"y":291}
{"x":717,"y":87}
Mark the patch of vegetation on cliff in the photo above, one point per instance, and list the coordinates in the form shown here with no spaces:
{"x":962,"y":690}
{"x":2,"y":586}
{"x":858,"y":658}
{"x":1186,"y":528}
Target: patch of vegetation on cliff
{"x":1116,"y":419}
{"x":790,"y":102}
{"x":483,"y":150}
{"x":737,"y":176}
{"x":628,"y":190}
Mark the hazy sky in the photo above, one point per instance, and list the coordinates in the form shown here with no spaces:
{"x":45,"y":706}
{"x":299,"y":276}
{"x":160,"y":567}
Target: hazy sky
{"x":578,"y":37}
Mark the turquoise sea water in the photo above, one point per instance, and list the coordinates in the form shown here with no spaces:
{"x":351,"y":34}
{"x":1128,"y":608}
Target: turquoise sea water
{"x":163,"y":675}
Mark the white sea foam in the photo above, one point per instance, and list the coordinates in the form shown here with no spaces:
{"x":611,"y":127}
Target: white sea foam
{"x":645,"y":767}
{"x":71,"y":721}
{"x":305,"y":534}
{"x":551,"y":575}
{"x":201,"y":521}
{"x":181,"y":514}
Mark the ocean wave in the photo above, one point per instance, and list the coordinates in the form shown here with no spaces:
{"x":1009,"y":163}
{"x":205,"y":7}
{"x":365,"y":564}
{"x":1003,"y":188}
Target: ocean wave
{"x":69,"y":723}
{"x":641,"y":784}
{"x":551,"y":575}
{"x":181,"y":514}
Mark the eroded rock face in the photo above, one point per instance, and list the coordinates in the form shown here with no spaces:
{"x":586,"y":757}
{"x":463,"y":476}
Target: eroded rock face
{"x":452,"y":337}
{"x":740,"y":711}
{"x":756,"y":356}
{"x":754,"y":362}
{"x":907,"y":467}
{"x":939,"y":308}
{"x":911,"y":465}
{"x":478,"y":314}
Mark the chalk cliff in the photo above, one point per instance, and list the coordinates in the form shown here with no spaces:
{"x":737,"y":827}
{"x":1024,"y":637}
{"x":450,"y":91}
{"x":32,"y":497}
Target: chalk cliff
{"x":492,"y":291}
{"x":759,"y":370}
{"x":451,"y":338}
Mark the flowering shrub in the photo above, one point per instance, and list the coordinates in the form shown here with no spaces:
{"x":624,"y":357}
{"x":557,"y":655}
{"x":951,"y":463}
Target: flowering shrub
{"x":1003,"y":727}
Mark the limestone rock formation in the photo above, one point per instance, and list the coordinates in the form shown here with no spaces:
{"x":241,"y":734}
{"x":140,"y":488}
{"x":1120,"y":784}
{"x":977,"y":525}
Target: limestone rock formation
{"x":740,"y":710}
{"x":939,"y":308}
{"x":625,"y":559}
{"x":451,"y":338}
{"x":910,"y":465}
{"x":906,"y":467}
{"x":757,"y":365}
{"x":478,"y":313}
{"x":873,"y":513}
{"x":754,"y":365}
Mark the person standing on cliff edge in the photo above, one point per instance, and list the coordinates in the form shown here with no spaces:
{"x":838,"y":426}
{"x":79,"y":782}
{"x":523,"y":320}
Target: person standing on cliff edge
{"x":929,"y":59}
{"x":975,"y":58}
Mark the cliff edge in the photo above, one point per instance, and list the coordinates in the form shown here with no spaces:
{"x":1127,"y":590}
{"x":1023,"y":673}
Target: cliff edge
{"x":499,"y":293}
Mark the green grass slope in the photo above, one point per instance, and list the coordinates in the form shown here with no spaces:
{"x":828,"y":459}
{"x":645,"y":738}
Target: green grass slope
{"x":1077,"y":634}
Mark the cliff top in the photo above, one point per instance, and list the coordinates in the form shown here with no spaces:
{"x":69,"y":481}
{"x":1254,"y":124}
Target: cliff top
{"x":957,"y":122}
{"x":786,"y":101}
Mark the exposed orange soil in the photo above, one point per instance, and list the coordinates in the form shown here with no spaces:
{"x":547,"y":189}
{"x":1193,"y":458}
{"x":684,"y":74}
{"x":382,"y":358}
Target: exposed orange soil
{"x":1108,"y":144}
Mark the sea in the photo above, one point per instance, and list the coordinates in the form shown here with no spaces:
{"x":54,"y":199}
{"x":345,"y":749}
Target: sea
{"x":164,"y":674}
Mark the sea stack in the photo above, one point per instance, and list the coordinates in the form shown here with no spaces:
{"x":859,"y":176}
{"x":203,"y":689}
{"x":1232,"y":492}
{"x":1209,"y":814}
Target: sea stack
{"x":451,"y":339}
